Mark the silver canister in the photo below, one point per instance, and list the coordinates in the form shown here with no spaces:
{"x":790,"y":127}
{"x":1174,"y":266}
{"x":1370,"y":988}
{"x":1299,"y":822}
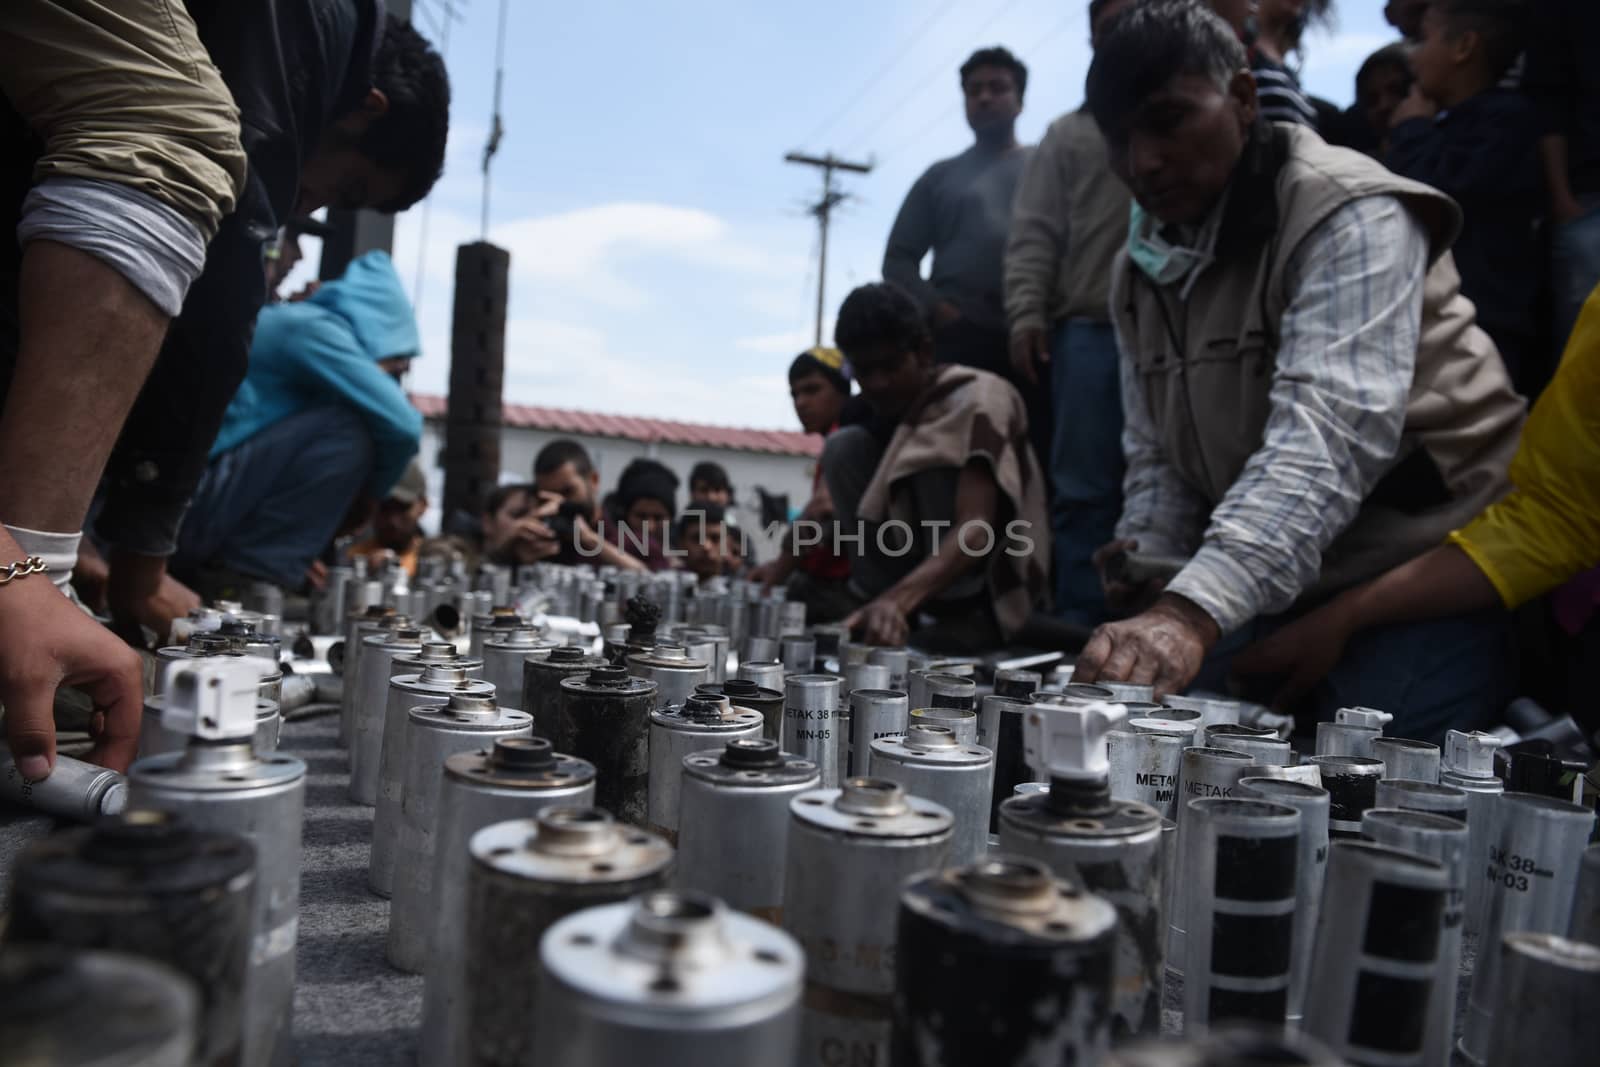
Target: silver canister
{"x":516,"y":779}
{"x":898,"y":660}
{"x":525,"y":875}
{"x":850,"y":851}
{"x":1535,"y":848}
{"x":734,"y":823}
{"x":1468,"y":764}
{"x":998,"y":962}
{"x":603,"y":716}
{"x":767,"y":673}
{"x":74,"y":790}
{"x":1262,"y":745}
{"x":541,"y":686}
{"x":1545,"y":1010}
{"x":1416,"y":761}
{"x":1207,"y":773}
{"x":1239,"y":859}
{"x":670,"y":978}
{"x":1145,"y":768}
{"x":369,"y":706}
{"x":811,"y":722}
{"x":761,"y":649}
{"x":1171,"y":722}
{"x":84,"y":1007}
{"x":944,"y":690}
{"x":224,"y":786}
{"x":865,"y":676}
{"x":698,"y":724}
{"x":1423,"y":796}
{"x":674,"y":673}
{"x":1228,"y":1045}
{"x":1378,"y":954}
{"x":1443,"y":840}
{"x":962,"y":722}
{"x":747,"y":694}
{"x":1019,"y":684}
{"x":1000,"y":731}
{"x":874,"y":713}
{"x":434,"y":685}
{"x":1113,"y":849}
{"x":1345,"y":739}
{"x":463,"y":724}
{"x":503,"y":657}
{"x":1352,"y":785}
{"x":1585,"y":925}
{"x":791,"y":617}
{"x":1311,"y":801}
{"x":929,"y":762}
{"x":718,"y":636}
{"x":1122,"y":692}
{"x":1304,"y":773}
{"x":798,"y":654}
{"x":155,"y":739}
{"x":120,"y":885}
{"x":357,"y":628}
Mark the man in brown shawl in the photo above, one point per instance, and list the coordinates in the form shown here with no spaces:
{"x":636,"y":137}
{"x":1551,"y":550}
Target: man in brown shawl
{"x":939,"y":499}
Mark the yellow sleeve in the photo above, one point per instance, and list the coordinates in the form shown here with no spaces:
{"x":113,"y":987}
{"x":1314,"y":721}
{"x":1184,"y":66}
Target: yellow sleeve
{"x":1548,"y":528}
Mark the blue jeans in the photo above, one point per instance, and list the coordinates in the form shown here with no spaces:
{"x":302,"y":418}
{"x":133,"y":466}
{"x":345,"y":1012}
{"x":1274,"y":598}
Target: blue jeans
{"x":268,"y":507}
{"x":1574,"y":268}
{"x":1454,"y":673}
{"x":1086,"y":462}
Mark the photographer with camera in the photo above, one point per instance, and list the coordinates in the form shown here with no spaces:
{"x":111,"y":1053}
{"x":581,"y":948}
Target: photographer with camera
{"x":565,"y":504}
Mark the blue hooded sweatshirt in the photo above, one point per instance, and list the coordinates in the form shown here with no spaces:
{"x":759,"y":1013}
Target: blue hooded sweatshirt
{"x":324,"y":351}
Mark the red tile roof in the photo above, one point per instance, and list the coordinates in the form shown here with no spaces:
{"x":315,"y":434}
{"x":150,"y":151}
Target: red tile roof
{"x":635,"y":428}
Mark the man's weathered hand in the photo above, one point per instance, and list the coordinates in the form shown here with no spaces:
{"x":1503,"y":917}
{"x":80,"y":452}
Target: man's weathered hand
{"x":50,"y":642}
{"x":1028,"y":353}
{"x":881,"y":622}
{"x":1162,"y":647}
{"x":1301,"y":653}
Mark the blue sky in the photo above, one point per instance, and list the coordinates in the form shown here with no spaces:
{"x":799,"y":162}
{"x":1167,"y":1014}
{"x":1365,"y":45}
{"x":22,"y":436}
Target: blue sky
{"x":662,"y":261}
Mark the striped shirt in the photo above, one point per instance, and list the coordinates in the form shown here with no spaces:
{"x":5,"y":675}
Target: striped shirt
{"x":1279,"y":93}
{"x":1341,"y":381}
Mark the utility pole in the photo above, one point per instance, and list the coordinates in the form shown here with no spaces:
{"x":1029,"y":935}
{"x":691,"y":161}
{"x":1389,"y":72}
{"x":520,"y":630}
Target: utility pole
{"x":822,"y":209}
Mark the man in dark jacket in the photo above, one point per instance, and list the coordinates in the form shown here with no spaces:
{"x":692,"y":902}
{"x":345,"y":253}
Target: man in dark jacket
{"x":331,"y":103}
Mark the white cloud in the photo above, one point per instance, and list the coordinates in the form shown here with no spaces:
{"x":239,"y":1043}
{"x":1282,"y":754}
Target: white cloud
{"x":776,"y":344}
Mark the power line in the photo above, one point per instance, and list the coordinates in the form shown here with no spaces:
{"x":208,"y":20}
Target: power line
{"x":855,"y":98}
{"x":823,"y":210}
{"x":427,"y":203}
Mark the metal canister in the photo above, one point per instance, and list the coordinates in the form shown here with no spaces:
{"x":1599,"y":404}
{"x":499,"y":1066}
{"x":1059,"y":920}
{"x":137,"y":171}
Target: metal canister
{"x":1345,"y":739}
{"x":1311,"y":801}
{"x":155,"y":739}
{"x":1304,"y":773}
{"x":1545,"y":1010}
{"x":1207,"y":772}
{"x":1378,"y":954}
{"x":791,"y":617}
{"x":671,"y":978}
{"x":1422,"y":796}
{"x":144,"y":884}
{"x":874,"y":713}
{"x":1112,"y":848}
{"x":1443,"y":840}
{"x":944,"y":690}
{"x":850,"y":851}
{"x":831,"y":638}
{"x":1585,"y":925}
{"x":1145,"y":768}
{"x":674,"y":673}
{"x":358,"y":627}
{"x":1262,"y":745}
{"x":518,"y":778}
{"x":719,"y":636}
{"x":761,"y":649}
{"x":218,"y":643}
{"x":1017,"y":683}
{"x":1535,"y":848}
{"x":1352,"y":785}
{"x":74,"y":790}
{"x":541,"y":687}
{"x":767,"y":673}
{"x":1239,"y":860}
{"x":1000,"y":730}
{"x":747,"y":694}
{"x":1228,"y":1045}
{"x":369,"y":716}
{"x":864,"y":676}
{"x":734,"y":825}
{"x":811,"y":722}
{"x":698,"y":724}
{"x":798,"y":654}
{"x":1416,"y":761}
{"x":1469,"y":765}
{"x":224,"y":786}
{"x":898,"y":660}
{"x":78,"y":1007}
{"x":524,"y":875}
{"x":603,"y":716}
{"x":503,"y":657}
{"x":486,"y":627}
{"x":961,"y":722}
{"x":1123,"y":692}
{"x":434,"y":733}
{"x":930,"y":762}
{"x":1172,"y":722}
{"x":434,"y":685}
{"x":998,"y":963}
{"x":1363,"y":717}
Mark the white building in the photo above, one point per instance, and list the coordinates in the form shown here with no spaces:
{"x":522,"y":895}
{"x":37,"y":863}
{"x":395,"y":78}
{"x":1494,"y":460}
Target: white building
{"x":781,"y":462}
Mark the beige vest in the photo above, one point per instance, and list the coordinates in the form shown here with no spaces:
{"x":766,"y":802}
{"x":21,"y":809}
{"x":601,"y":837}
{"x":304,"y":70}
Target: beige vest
{"x":1208,"y":399}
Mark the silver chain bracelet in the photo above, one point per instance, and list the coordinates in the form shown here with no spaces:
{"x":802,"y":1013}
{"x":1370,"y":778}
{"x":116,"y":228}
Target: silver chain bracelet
{"x":12,"y":571}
